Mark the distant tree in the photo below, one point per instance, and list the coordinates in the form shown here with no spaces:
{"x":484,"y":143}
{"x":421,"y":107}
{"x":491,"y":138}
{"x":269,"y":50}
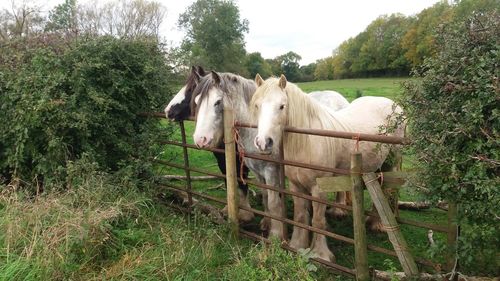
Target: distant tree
{"x":324,"y":69}
{"x":290,"y":66}
{"x":123,"y":19}
{"x":22,"y":20}
{"x":418,"y":42}
{"x":275,"y":66}
{"x":381,"y":51}
{"x":214,"y":35}
{"x":63,"y":18}
{"x":307,"y":72}
{"x":255,"y":63}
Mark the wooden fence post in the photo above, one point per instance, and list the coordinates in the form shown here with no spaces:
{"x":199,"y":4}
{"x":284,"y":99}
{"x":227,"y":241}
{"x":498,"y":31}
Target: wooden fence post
{"x":451,"y":235}
{"x":282,"y":185}
{"x":390,"y":224}
{"x":232,"y":183}
{"x":186,"y":167}
{"x":358,"y":214}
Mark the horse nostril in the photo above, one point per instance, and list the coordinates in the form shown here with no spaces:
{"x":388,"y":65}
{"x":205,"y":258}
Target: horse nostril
{"x":269,"y":142}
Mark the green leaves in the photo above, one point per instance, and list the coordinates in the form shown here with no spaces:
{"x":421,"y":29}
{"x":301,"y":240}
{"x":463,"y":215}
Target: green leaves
{"x":65,"y":98}
{"x":453,"y":118}
{"x":215,"y":35}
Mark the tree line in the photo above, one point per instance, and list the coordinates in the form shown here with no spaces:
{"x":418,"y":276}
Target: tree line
{"x":392,"y":45}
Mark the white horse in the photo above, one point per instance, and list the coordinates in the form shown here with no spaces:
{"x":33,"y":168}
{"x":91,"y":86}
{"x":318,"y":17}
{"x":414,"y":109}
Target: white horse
{"x":220,"y":90}
{"x":276,"y":104}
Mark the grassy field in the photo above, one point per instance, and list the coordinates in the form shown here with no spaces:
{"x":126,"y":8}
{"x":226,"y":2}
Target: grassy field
{"x":382,"y":87}
{"x":416,"y":237}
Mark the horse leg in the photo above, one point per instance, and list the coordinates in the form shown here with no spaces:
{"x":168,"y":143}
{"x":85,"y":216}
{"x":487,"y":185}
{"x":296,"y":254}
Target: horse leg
{"x":274,"y":203}
{"x":265,"y":223}
{"x":319,"y":245}
{"x":300,"y":236}
{"x":340,"y":198}
{"x":243,"y":215}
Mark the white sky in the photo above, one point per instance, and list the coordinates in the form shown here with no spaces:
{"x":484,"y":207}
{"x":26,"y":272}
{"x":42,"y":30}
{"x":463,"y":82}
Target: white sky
{"x":311,"y":28}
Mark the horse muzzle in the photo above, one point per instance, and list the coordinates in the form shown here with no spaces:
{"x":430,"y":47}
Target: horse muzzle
{"x":264,"y":145}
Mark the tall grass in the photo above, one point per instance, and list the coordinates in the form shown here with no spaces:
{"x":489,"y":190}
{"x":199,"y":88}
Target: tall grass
{"x":107,"y":228}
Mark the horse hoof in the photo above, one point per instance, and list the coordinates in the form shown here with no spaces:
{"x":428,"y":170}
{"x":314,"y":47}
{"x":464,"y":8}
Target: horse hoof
{"x":336,"y":213}
{"x":375,"y":225}
{"x":224,"y":210}
{"x":324,"y":254}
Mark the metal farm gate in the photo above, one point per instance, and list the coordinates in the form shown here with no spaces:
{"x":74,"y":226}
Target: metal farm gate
{"x":357,"y":182}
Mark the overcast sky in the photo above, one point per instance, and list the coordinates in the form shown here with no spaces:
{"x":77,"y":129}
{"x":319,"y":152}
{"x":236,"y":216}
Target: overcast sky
{"x":311,"y":28}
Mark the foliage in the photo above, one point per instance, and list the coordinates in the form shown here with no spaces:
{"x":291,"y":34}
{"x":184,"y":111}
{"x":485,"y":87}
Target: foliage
{"x":393,"y":44}
{"x":66,"y":98}
{"x":63,"y":17}
{"x":214,"y":35}
{"x":21,"y":20}
{"x":105,"y":228}
{"x":290,"y":66}
{"x":453,"y":113}
{"x":255,"y":63}
{"x":271,"y":262}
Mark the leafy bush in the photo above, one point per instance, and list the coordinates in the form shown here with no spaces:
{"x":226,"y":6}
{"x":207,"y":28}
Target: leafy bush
{"x":453,"y":110}
{"x":60,"y":98}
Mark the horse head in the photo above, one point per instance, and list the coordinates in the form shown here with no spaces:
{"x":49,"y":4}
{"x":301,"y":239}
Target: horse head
{"x":178,"y":108}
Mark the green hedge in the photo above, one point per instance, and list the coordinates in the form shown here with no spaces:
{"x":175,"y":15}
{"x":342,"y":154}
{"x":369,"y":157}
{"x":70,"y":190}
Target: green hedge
{"x":60,"y":99}
{"x":453,"y":110}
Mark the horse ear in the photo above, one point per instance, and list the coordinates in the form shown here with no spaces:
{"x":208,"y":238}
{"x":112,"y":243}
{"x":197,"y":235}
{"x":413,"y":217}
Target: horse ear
{"x":216,"y":77}
{"x":201,"y":71}
{"x":193,"y":69}
{"x":282,"y":81}
{"x":258,"y":80}
{"x":197,"y":77}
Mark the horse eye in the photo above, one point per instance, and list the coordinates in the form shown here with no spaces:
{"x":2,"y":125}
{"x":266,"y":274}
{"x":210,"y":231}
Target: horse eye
{"x":282,"y":106}
{"x":217,"y":103}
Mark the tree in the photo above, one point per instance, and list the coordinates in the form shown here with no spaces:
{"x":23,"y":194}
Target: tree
{"x":63,"y":18}
{"x":23,"y":20}
{"x":255,"y":63}
{"x":307,"y":72}
{"x":288,"y":65}
{"x":122,"y":19}
{"x":324,"y":69}
{"x":381,"y":51}
{"x":214,"y":35}
{"x":418,"y":41}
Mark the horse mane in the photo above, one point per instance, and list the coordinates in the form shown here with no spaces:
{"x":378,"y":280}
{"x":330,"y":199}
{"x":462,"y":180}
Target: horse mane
{"x":230,"y":84}
{"x":302,"y":112}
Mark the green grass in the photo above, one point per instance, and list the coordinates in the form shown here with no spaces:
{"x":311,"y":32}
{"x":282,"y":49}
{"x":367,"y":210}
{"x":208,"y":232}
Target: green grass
{"x":382,"y":87}
{"x":106,"y":228}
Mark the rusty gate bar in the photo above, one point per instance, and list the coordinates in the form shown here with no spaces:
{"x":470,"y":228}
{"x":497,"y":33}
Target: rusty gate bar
{"x":361,"y":137}
{"x":186,"y":165}
{"x":298,"y":164}
{"x":282,"y":187}
{"x":337,"y":267}
{"x":338,"y":237}
{"x":337,"y":134}
{"x":316,"y":132}
{"x":163,"y":162}
{"x":434,"y":227}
